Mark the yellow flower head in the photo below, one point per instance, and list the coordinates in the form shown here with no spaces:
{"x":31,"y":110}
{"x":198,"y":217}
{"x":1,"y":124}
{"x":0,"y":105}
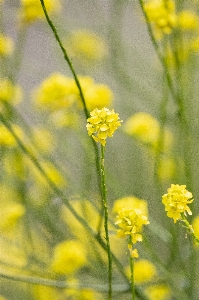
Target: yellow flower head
{"x":55,"y":92}
{"x":158,"y":292}
{"x":31,"y":10}
{"x":69,"y":256}
{"x":130,"y":222}
{"x":10,"y":214}
{"x":188,"y":20}
{"x":144,"y":271}
{"x":102,"y":124}
{"x":6,"y":45}
{"x":7,"y":139}
{"x":195,"y":225}
{"x":87,"y":45}
{"x":9,"y":92}
{"x":131,"y":202}
{"x":176,"y":201}
{"x":146,"y":129}
{"x":162,"y":15}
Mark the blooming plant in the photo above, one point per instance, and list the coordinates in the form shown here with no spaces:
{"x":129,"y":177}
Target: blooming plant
{"x":98,"y":120}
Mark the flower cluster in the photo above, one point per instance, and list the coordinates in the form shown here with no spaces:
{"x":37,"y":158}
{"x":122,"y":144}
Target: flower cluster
{"x":86,"y":45}
{"x":176,"y":201}
{"x":130,"y":222}
{"x":6,"y":45}
{"x":161,"y":15}
{"x":146,"y":129}
{"x":102,"y":124}
{"x":31,"y":10}
{"x":58,"y":92}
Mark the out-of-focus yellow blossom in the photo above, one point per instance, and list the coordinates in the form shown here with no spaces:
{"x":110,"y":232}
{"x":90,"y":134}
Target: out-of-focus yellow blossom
{"x":55,"y":92}
{"x":195,"y":225}
{"x":194,"y":45}
{"x":145,"y":128}
{"x":87,"y":45}
{"x":58,"y":92}
{"x":188,"y":20}
{"x":182,"y":56}
{"x":162,"y":15}
{"x":98,"y":96}
{"x":144,"y":271}
{"x":102,"y":124}
{"x":10,"y":214}
{"x":6,"y":45}
{"x":166,"y":168}
{"x":158,"y":292}
{"x":6,"y":138}
{"x":43,"y":139}
{"x":130,"y":202}
{"x":52,"y":173}
{"x":176,"y":201}
{"x":10,"y":92}
{"x":41,"y":292}
{"x":1,"y":297}
{"x":31,"y":10}
{"x":130,"y":222}
{"x":68,"y":257}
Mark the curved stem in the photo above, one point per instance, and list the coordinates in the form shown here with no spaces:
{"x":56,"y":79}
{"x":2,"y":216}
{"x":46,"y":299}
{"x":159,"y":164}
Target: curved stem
{"x":66,"y":57}
{"x":104,"y":193}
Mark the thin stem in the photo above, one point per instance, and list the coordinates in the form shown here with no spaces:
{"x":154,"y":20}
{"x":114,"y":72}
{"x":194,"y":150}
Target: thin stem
{"x":104,"y":193}
{"x":66,"y":57}
{"x":131,"y":261}
{"x":189,"y":228}
{"x":159,"y":54}
{"x":62,"y":196}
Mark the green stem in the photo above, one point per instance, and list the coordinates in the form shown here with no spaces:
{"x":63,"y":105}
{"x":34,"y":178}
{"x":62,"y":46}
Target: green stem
{"x":158,"y":52}
{"x":131,"y":260}
{"x":104,"y":193}
{"x":62,"y":196}
{"x":66,"y":57}
{"x":189,"y":228}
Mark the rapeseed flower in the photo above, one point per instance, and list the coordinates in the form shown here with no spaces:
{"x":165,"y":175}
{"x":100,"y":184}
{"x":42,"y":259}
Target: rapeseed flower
{"x":86,"y":45}
{"x":130,"y":222}
{"x":31,"y":10}
{"x":131,"y":202}
{"x":102,"y":124}
{"x":187,"y":20}
{"x":6,"y":138}
{"x":9,"y":92}
{"x":68,"y":257}
{"x":146,"y":129}
{"x":195,"y":225}
{"x":161,"y":15}
{"x":176,"y":201}
{"x":10,"y":214}
{"x":158,"y":292}
{"x":6,"y":45}
{"x":144,"y":271}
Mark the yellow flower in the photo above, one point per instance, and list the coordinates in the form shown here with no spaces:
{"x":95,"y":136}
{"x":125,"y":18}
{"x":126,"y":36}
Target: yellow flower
{"x":68,"y":257}
{"x":130,"y":202}
{"x":188,"y":20}
{"x":43,"y":139}
{"x":6,"y":45}
{"x":102,"y":124}
{"x":6,"y":138}
{"x":144,"y":271}
{"x":161,"y":15}
{"x":55,"y":92}
{"x":176,"y":201}
{"x":158,"y":292}
{"x":87,"y":45}
{"x":41,"y":292}
{"x":31,"y":10}
{"x":10,"y":214}
{"x":98,"y":96}
{"x":145,"y":128}
{"x":9,"y":92}
{"x":195,"y":225}
{"x":166,"y":168}
{"x":130,"y":222}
